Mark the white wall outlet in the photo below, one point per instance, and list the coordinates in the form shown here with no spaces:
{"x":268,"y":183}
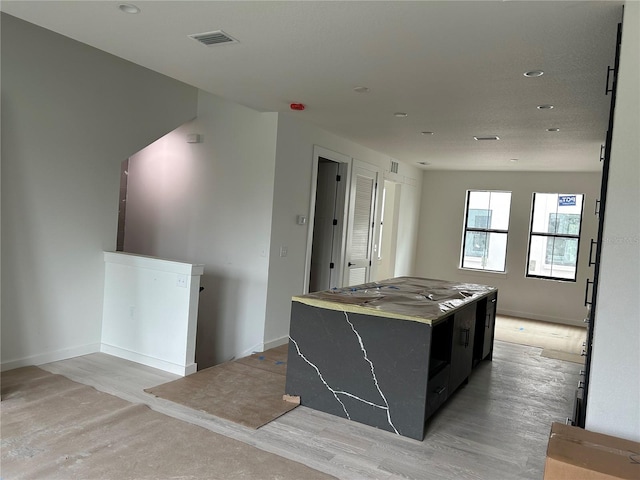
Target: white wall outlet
{"x":181,"y":281}
{"x":283,"y":251}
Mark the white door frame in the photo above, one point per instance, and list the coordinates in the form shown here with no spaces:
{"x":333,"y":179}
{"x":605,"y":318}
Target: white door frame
{"x":390,"y":225}
{"x":341,"y":205}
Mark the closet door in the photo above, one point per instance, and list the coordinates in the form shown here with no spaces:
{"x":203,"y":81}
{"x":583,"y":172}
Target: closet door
{"x":364,"y":185}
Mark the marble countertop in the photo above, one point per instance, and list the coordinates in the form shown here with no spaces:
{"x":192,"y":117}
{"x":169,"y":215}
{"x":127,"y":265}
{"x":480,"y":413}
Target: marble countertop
{"x":406,"y":298}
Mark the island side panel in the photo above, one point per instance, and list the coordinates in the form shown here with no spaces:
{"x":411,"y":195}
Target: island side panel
{"x":370,"y":369}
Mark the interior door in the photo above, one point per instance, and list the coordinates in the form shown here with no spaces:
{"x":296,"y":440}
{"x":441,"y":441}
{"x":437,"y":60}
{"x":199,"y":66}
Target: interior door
{"x":362,"y":199}
{"x":324,"y":227}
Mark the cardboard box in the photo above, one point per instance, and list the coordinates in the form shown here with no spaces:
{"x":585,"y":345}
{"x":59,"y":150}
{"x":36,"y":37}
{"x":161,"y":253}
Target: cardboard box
{"x":574,"y":453}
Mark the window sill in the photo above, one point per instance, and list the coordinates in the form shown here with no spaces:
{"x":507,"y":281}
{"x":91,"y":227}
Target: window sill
{"x":474,"y":271}
{"x":553,"y":279}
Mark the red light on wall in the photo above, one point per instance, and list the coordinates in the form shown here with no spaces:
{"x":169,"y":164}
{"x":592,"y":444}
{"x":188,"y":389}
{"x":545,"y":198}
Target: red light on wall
{"x":297,"y":106}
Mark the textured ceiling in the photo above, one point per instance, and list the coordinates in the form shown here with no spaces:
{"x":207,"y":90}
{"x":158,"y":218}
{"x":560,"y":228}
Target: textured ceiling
{"x":456,"y":68}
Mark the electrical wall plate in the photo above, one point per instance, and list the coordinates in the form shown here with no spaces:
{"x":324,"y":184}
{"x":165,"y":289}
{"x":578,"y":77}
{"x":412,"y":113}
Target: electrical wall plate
{"x":181,"y":280}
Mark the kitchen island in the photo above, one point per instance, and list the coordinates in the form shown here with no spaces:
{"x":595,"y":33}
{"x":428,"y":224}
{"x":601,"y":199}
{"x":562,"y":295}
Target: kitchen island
{"x":388,"y":353}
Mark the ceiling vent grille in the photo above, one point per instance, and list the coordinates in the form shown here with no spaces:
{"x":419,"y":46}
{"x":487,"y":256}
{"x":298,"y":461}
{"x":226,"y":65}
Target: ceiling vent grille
{"x":491,"y":137}
{"x":394,"y":167}
{"x":213,"y":38}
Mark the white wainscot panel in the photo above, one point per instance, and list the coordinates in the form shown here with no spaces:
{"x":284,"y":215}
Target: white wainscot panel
{"x":150,"y":311}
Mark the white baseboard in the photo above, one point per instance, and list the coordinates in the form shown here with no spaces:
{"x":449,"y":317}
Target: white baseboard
{"x":544,"y":318}
{"x":261,"y":347}
{"x":48,"y":357}
{"x":276,"y":343}
{"x":182,"y":370}
{"x":258,"y":347}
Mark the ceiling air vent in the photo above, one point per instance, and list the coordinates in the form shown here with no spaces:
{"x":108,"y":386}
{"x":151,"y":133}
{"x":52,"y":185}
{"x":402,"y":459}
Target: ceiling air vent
{"x":394,"y":167}
{"x":491,"y":137}
{"x":213,"y":38}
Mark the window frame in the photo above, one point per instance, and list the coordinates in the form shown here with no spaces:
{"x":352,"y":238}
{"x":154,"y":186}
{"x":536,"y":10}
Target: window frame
{"x":553,"y":236}
{"x":467,"y":229}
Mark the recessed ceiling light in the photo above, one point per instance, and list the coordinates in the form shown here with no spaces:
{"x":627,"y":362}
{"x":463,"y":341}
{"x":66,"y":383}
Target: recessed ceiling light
{"x":534,"y":73}
{"x":553,"y":129}
{"x":361,"y":89}
{"x":400,"y":114}
{"x":129,"y":8}
{"x":544,"y":107}
{"x":426,"y":133}
{"x":514,"y":160}
{"x":489,"y":137}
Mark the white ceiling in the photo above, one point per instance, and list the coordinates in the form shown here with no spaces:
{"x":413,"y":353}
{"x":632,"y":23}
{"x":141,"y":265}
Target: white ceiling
{"x":455,"y":67}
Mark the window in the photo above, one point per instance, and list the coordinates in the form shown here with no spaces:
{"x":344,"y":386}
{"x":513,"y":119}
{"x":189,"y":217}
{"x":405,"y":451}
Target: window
{"x":484,"y":242}
{"x":554,"y":236}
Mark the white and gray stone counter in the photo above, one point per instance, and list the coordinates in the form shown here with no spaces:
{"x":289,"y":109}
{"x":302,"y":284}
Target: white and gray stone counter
{"x":369,"y":353}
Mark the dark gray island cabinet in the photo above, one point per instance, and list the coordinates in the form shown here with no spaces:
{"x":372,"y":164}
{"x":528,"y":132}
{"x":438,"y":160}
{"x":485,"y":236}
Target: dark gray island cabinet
{"x":389,"y":353}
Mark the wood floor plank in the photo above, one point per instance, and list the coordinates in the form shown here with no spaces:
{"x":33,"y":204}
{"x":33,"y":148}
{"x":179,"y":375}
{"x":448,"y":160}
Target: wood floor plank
{"x":496,"y":427}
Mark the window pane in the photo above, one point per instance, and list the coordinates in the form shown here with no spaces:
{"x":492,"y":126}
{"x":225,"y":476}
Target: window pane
{"x":485,"y":251}
{"x":478,"y":202}
{"x":497,"y":249}
{"x":475,"y":245}
{"x":553,"y":257}
{"x":545,"y":205}
{"x":479,"y":218}
{"x":564,"y":223}
{"x":500,"y":205}
{"x":556,"y":213}
{"x":561,"y":251}
{"x":493,"y":206}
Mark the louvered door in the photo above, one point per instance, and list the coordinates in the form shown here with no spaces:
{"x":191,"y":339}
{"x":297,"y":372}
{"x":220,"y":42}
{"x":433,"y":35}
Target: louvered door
{"x":364,"y":178}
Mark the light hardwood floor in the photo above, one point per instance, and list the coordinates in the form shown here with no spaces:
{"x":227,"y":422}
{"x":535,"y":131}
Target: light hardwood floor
{"x":496,"y":427}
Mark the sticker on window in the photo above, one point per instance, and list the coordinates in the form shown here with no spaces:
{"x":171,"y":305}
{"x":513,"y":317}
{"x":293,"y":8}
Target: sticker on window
{"x":566,"y":200}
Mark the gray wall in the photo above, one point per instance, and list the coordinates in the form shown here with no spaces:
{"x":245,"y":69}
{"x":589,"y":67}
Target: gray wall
{"x":70,"y":115}
{"x":614,"y":393}
{"x":292,"y":197}
{"x":210,"y":203}
{"x":440,"y":239}
{"x":224,"y":202}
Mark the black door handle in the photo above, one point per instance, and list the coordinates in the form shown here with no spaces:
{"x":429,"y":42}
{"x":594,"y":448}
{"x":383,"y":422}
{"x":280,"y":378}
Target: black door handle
{"x":607,"y":89}
{"x":350,"y":264}
{"x":586,"y":293}
{"x":465,"y":337}
{"x":593,"y":242}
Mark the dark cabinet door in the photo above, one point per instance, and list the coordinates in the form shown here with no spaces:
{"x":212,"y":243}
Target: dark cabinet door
{"x":489,"y":327}
{"x":464,"y":323}
{"x":583,"y":397}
